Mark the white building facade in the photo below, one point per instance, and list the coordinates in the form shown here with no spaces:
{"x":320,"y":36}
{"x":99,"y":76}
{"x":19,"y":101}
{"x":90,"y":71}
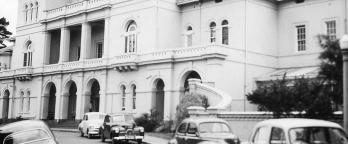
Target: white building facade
{"x":74,"y":56}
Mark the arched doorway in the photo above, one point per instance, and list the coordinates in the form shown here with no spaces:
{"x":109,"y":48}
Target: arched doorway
{"x":51,"y":102}
{"x":71,"y":113}
{"x":6,"y":104}
{"x":189,"y":75}
{"x":95,"y":97}
{"x":158,"y":103}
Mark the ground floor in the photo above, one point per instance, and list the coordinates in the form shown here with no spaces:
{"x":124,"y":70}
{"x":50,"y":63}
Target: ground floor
{"x":159,"y":87}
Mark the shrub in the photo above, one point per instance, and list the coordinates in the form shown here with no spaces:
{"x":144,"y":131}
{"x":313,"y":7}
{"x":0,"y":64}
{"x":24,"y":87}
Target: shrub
{"x":187,"y":101}
{"x":149,"y":121}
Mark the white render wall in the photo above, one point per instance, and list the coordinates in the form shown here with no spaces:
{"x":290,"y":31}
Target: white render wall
{"x":261,"y":39}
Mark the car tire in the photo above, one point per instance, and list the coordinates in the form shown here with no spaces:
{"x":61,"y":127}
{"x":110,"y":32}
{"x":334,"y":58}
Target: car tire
{"x":102,"y":137}
{"x":89,"y":136}
{"x":81,"y":133}
{"x":114,"y":141}
{"x":140,"y":141}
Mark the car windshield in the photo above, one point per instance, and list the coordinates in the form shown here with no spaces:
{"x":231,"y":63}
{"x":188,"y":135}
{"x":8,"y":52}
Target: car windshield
{"x":122,"y":118}
{"x":317,"y":135}
{"x":214,"y":127}
{"x":96,"y":116}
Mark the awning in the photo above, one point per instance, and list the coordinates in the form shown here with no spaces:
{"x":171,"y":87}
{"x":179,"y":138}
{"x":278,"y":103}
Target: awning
{"x":290,"y":73}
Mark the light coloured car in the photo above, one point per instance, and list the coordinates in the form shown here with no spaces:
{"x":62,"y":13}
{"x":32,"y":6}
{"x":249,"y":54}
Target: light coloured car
{"x":91,"y":123}
{"x":298,"y":131}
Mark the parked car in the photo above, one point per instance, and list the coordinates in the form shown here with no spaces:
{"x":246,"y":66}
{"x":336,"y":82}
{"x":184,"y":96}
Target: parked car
{"x":121,"y":127}
{"x":298,"y":131}
{"x":26,"y":131}
{"x":204,"y":130}
{"x":91,"y":123}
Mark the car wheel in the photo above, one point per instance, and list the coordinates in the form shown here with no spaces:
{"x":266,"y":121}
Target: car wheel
{"x":89,"y":136}
{"x":115,"y":142}
{"x":102,"y":137}
{"x":81,"y":133}
{"x":140,"y":141}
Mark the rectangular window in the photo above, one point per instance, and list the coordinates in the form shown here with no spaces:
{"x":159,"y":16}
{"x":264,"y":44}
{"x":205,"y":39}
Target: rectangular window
{"x":99,"y":50}
{"x":331,"y":29}
{"x":301,"y":37}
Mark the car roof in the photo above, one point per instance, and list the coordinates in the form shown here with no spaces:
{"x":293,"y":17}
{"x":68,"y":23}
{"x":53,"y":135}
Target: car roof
{"x":92,"y":113}
{"x":23,"y":125}
{"x":204,"y":119}
{"x":116,"y":114}
{"x":287,"y":123}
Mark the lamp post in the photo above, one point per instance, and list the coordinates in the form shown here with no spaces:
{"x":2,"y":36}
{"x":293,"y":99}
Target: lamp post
{"x":344,"y":48}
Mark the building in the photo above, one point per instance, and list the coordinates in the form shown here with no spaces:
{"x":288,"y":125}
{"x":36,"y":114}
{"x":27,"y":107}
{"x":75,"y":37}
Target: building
{"x":75,"y":56}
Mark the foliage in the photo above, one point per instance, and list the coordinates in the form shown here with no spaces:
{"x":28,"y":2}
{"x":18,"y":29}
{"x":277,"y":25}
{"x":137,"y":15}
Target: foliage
{"x":187,"y":101}
{"x":4,"y":33}
{"x":149,"y":121}
{"x":282,"y":97}
{"x":331,"y":68}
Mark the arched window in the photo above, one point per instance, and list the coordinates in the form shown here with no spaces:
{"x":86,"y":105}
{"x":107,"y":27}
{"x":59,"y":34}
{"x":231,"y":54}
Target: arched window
{"x":212,"y":32}
{"x":224,"y":25}
{"x":123,"y":95}
{"x":21,"y":101}
{"x":31,"y":11}
{"x":28,"y":55}
{"x":134,"y":96}
{"x":37,"y":10}
{"x":189,"y":32}
{"x":131,"y":38}
{"x":27,"y":102}
{"x":26,"y":11}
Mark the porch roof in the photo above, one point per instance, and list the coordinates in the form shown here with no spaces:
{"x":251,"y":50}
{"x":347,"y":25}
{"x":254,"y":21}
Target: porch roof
{"x":307,"y":72}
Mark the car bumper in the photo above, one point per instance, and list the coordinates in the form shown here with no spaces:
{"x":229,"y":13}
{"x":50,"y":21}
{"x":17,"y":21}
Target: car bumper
{"x":127,"y":138}
{"x":93,"y":131}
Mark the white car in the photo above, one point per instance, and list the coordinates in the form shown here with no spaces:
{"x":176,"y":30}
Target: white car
{"x":298,"y":131}
{"x":91,"y":123}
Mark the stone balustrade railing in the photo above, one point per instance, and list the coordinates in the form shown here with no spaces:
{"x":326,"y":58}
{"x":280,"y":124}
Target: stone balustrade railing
{"x":218,"y":100}
{"x":76,"y":8}
{"x":127,"y":61}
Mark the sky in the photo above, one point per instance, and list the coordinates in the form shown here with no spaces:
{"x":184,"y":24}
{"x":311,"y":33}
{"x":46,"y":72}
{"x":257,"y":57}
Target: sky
{"x":9,"y":11}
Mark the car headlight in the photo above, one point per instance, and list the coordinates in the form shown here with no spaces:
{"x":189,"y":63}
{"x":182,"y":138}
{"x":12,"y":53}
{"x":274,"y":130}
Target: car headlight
{"x":116,"y":129}
{"x":141,"y":129}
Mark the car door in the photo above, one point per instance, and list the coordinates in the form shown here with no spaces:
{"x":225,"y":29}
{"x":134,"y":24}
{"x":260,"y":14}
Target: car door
{"x":192,"y":136}
{"x":181,"y":133}
{"x":85,"y":123}
{"x":261,"y":135}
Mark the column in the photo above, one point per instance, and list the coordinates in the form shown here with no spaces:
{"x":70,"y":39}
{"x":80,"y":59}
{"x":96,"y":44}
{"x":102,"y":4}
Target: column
{"x":167,"y":104}
{"x":106,"y":34}
{"x":79,"y":109}
{"x":64,"y":44}
{"x":85,"y":40}
{"x":47,"y":47}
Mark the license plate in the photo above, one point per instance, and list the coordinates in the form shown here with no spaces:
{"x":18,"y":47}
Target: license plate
{"x":130,"y":137}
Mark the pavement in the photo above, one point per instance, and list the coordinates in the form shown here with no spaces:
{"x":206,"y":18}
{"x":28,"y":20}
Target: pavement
{"x":64,"y":137}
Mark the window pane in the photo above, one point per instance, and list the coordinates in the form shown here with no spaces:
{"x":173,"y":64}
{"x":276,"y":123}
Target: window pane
{"x":182,"y":128}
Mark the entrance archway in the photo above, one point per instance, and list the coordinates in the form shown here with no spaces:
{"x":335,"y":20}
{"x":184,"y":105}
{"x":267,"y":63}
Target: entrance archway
{"x":51,"y":102}
{"x":158,"y":103}
{"x":71,"y":101}
{"x":189,"y":75}
{"x":95,"y":97}
{"x":6,"y":104}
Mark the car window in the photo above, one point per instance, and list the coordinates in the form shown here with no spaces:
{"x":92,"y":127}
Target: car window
{"x":214,"y":127}
{"x":260,"y":136}
{"x":318,"y":135}
{"x":277,"y":136}
{"x":26,"y":136}
{"x":182,"y":128}
{"x":192,"y":128}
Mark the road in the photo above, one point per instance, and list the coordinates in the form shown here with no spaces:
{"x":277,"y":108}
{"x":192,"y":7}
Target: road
{"x":74,"y":138}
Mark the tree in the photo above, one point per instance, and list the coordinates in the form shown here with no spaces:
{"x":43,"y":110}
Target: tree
{"x":282,"y":97}
{"x":331,"y":68}
{"x":4,"y":33}
{"x":187,"y":101}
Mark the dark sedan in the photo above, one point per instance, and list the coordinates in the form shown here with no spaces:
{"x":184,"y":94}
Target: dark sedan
{"x":27,"y":131}
{"x":201,"y":130}
{"x":121,"y":127}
